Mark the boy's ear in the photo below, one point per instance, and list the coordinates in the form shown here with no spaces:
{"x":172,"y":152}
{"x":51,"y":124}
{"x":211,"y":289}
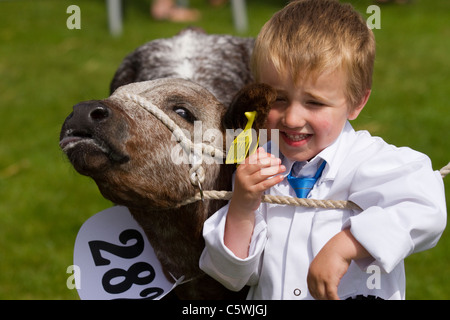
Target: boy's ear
{"x":253,"y":97}
{"x":356,"y":111}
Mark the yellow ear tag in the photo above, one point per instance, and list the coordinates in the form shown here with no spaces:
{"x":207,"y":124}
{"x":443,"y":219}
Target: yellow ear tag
{"x":241,"y":145}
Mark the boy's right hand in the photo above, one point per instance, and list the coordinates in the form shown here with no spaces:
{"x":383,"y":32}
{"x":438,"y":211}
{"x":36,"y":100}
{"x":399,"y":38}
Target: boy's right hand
{"x":259,"y":172}
{"x":255,"y":175}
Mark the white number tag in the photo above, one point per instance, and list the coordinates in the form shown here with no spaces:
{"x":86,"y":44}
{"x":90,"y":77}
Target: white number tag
{"x":116,"y":260}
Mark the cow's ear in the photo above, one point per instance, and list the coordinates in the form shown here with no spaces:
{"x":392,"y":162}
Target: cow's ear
{"x":253,"y":97}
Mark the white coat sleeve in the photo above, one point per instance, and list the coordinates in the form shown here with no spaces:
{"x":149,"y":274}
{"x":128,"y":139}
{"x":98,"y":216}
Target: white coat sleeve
{"x":403,"y":204}
{"x":221,"y":264}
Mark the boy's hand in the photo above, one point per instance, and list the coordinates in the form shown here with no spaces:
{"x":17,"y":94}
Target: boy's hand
{"x":331,"y":263}
{"x":325,"y":273}
{"x":254,"y":176}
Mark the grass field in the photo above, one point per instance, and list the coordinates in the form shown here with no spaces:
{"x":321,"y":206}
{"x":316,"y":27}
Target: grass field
{"x":46,"y":68}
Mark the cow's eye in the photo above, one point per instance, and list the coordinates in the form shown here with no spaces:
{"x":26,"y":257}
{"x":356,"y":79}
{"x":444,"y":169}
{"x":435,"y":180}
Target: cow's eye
{"x":184,"y":113}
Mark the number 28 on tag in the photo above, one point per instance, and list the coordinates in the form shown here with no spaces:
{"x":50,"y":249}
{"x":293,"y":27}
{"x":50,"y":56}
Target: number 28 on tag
{"x":116,"y":260}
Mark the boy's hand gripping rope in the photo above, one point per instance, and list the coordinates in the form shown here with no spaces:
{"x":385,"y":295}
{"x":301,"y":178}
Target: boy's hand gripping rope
{"x":197,"y":172}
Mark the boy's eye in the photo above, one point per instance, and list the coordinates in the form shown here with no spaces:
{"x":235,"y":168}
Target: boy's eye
{"x":279,"y":102}
{"x":315,"y":103}
{"x":281,"y":99}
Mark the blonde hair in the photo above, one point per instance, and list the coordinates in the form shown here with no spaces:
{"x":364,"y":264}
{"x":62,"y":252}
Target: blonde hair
{"x":309,"y":37}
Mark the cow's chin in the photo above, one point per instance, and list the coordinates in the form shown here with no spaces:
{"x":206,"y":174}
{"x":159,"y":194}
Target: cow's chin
{"x":90,"y":157}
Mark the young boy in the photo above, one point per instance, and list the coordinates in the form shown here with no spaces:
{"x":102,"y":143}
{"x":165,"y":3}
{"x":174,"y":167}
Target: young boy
{"x":319,"y":55}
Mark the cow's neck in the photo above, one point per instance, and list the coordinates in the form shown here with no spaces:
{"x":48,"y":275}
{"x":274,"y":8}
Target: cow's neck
{"x":176,"y":236}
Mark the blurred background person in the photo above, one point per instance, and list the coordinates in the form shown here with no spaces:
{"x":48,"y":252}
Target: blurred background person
{"x":172,"y":11}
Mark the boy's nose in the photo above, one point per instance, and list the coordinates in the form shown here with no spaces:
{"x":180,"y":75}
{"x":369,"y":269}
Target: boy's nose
{"x":294,"y":116}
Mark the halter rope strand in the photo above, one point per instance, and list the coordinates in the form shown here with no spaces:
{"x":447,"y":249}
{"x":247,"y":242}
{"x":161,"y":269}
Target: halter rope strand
{"x":445,"y":170}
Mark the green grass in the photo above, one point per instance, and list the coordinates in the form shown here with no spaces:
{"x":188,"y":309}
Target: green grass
{"x":46,"y":68}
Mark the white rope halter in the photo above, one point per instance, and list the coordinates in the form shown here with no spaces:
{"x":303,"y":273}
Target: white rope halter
{"x":445,"y":170}
{"x":197,"y":172}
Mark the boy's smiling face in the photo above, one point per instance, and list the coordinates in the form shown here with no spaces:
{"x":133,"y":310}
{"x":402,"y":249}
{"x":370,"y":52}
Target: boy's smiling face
{"x":309,"y":114}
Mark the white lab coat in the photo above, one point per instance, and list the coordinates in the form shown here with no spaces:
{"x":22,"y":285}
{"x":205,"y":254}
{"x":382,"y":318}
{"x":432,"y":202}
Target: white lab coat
{"x":404,"y":211}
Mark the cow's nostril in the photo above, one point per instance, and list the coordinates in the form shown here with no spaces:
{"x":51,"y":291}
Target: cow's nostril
{"x":99,"y":113}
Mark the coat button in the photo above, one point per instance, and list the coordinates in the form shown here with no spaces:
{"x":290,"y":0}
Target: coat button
{"x":297,"y":292}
